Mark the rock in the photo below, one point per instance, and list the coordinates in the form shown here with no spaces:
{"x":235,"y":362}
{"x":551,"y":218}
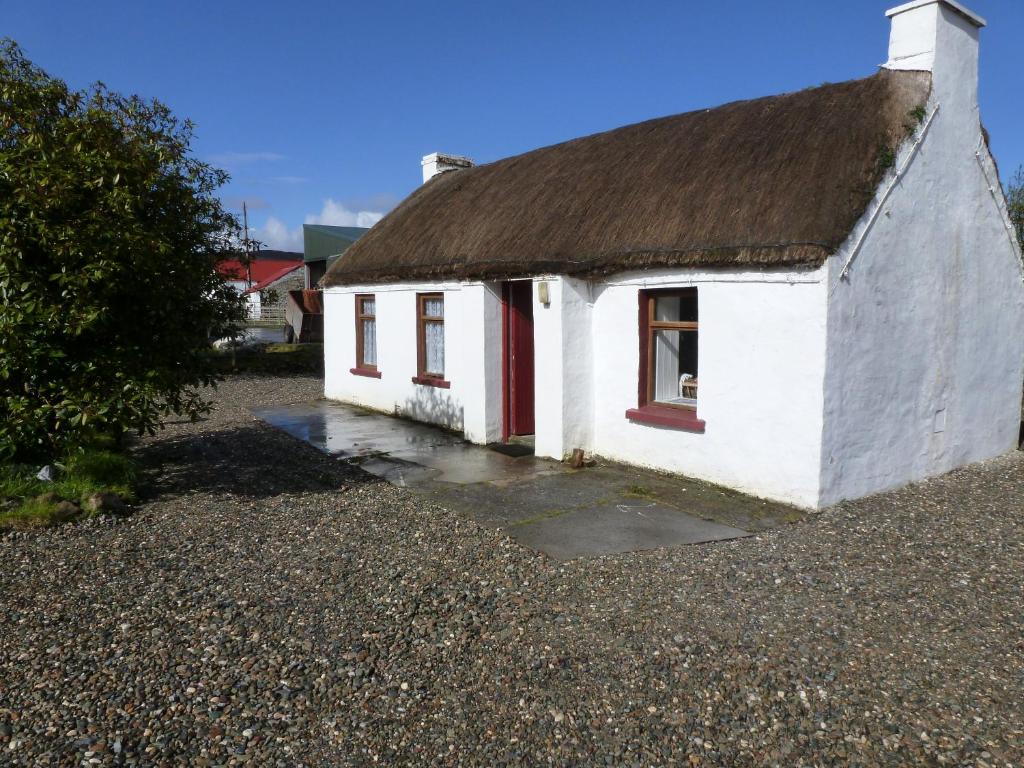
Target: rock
{"x":48,"y":498}
{"x":108,"y":503}
{"x":66,"y":510}
{"x":46,"y":474}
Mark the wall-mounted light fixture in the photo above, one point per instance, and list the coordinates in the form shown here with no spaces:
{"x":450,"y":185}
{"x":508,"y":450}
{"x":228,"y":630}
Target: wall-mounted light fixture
{"x":542,"y":293}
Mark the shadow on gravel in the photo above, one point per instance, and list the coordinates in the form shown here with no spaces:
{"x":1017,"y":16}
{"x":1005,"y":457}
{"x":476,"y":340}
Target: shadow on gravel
{"x":251,"y":461}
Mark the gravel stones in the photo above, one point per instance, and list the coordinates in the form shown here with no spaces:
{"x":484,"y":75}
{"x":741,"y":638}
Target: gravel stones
{"x":267,"y":605}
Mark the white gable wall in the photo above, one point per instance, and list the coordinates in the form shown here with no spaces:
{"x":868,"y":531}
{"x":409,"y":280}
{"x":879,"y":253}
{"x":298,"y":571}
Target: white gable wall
{"x":926,"y":334}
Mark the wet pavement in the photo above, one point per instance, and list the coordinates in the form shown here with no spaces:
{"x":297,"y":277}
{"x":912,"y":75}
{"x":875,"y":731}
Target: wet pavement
{"x":543,"y":504}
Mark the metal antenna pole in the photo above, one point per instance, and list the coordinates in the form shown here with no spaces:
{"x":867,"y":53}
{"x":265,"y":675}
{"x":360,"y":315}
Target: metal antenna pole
{"x":247,"y":247}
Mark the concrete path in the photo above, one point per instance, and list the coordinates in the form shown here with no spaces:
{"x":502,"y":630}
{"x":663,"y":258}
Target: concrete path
{"x":543,"y":504}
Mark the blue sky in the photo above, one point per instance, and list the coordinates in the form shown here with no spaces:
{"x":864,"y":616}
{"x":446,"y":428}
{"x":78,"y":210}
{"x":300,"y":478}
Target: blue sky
{"x":321,"y":111}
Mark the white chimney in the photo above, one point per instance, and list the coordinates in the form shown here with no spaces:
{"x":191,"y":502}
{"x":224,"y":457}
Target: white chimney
{"x":939,"y":36}
{"x":439,"y":162}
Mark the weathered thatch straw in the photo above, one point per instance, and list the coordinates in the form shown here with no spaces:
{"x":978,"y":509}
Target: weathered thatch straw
{"x":778,"y":181}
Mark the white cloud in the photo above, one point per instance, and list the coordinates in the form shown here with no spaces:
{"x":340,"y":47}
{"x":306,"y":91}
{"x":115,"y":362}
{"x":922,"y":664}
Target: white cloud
{"x":274,"y":234}
{"x":277,"y":235}
{"x":336,"y":214}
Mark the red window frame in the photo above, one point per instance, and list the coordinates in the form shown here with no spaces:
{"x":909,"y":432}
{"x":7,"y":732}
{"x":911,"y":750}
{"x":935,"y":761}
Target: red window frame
{"x":676,"y":415}
{"x":362,"y":367}
{"x":423,"y":376}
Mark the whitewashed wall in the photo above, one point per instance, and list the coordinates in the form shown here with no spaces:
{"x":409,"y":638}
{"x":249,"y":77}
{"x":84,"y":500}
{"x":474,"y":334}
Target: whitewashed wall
{"x":472,"y":356}
{"x":926,"y":336}
{"x":563,"y":367}
{"x":761,"y":349}
{"x":761,"y":370}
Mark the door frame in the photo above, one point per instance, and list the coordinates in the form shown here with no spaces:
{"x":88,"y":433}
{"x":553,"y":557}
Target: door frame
{"x":506,"y":357}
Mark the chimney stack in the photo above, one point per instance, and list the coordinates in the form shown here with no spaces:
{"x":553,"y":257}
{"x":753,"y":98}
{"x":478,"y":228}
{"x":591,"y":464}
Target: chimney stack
{"x":439,"y":162}
{"x":941,"y":37}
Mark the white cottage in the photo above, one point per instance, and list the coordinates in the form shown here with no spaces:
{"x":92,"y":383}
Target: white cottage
{"x":808,"y":297}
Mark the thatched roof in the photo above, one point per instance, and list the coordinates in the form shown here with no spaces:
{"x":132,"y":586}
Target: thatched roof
{"x":778,"y":181}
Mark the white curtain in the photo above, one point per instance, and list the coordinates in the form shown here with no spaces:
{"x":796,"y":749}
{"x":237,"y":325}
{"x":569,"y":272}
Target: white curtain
{"x":434,"y":346}
{"x":666,"y":366}
{"x":433,"y":307}
{"x":369,"y":338}
{"x":668,"y":308}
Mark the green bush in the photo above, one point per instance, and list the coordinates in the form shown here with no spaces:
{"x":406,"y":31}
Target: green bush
{"x":110,"y":232}
{"x":1015,"y":199}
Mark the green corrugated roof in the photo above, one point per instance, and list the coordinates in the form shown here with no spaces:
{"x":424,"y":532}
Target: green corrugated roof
{"x":321,"y":241}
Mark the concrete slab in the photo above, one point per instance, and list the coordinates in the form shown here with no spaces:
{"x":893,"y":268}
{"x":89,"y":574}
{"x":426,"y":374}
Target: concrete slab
{"x":631,"y":526}
{"x":543,"y":504}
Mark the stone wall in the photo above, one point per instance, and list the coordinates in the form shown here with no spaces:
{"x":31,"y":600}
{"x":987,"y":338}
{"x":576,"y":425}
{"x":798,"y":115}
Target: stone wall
{"x":274,"y":298}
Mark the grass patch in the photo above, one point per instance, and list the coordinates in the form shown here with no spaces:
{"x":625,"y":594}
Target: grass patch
{"x":35,"y":513}
{"x":639,"y":490}
{"x":27,"y":502}
{"x":97,"y":471}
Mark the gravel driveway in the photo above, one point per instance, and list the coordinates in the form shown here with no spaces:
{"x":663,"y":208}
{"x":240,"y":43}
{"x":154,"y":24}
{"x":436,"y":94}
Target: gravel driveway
{"x":272,"y":606}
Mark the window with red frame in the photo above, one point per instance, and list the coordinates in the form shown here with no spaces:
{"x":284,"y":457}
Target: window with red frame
{"x":672,"y":348}
{"x":366,"y":332}
{"x":668,"y":376}
{"x":430,"y":335}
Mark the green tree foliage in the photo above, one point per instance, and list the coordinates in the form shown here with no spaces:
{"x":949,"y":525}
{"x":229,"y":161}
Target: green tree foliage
{"x":1015,"y":198}
{"x":109,"y":236}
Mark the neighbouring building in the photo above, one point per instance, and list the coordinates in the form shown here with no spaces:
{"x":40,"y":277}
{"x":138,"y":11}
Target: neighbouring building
{"x":268,"y":298}
{"x":265,"y":282}
{"x":809,"y":297}
{"x":322,"y":244}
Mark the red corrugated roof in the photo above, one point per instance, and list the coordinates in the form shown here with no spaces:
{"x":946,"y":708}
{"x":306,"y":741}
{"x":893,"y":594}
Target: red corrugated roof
{"x":273,"y":278}
{"x":261,"y":269}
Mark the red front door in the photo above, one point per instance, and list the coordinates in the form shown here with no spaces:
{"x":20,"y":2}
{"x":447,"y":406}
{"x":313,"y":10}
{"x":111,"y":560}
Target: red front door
{"x":519,"y":347}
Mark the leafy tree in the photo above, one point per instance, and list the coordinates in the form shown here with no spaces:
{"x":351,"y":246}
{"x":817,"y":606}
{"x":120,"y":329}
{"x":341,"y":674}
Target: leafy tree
{"x":109,"y":236}
{"x":1015,"y":198}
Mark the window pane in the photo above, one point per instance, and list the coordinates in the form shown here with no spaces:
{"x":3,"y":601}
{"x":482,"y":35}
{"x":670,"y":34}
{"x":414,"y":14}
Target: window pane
{"x":680,"y":308}
{"x":675,"y":367}
{"x":433,"y":307}
{"x":369,"y":306}
{"x":369,"y":342}
{"x":434,"y":348}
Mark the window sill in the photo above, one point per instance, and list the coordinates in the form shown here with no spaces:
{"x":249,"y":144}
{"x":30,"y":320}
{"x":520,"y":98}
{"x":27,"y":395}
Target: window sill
{"x":369,"y":372}
{"x":430,"y":381}
{"x":677,"y":418}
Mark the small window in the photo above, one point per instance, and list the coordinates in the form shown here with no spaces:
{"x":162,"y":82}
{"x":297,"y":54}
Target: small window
{"x":672,"y":348}
{"x":668,"y":360}
{"x":430,"y":335}
{"x":366,"y":332}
